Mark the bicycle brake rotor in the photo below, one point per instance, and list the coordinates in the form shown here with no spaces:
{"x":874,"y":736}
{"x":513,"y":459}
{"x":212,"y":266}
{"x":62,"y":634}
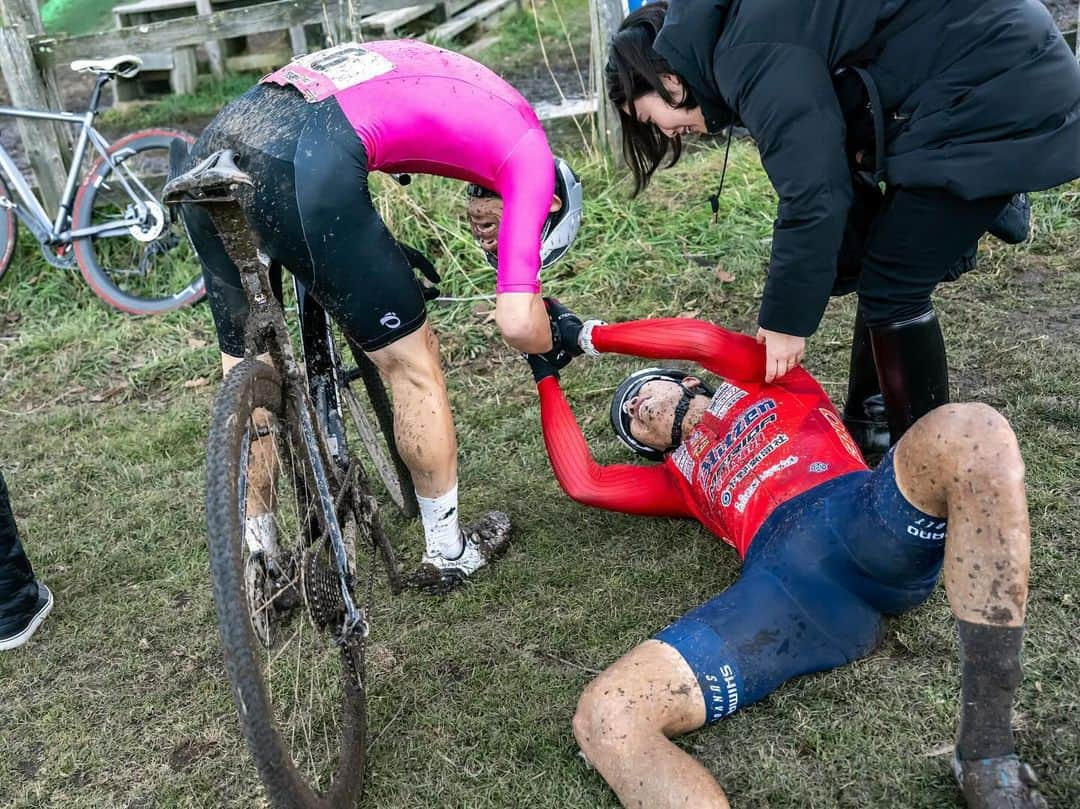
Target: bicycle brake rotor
{"x":155,"y":223}
{"x":322,"y":590}
{"x":258,"y":604}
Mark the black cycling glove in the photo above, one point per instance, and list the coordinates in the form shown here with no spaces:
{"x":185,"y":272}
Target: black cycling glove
{"x":541,"y":367}
{"x":566,"y":325}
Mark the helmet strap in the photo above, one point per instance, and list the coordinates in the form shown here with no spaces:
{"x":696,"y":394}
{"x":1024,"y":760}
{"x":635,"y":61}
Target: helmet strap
{"x":680,"y":414}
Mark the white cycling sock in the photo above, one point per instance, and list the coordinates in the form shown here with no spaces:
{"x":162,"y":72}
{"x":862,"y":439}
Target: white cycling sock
{"x":440,"y":518}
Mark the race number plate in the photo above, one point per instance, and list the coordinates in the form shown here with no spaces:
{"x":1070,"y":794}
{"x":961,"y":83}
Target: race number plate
{"x":321,"y":74}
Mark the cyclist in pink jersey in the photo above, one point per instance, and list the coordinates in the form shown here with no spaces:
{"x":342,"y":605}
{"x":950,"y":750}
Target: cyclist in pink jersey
{"x":309,"y":134}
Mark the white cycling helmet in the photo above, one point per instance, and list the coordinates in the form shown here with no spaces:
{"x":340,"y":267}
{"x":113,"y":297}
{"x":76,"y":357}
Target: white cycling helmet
{"x":561,"y":227}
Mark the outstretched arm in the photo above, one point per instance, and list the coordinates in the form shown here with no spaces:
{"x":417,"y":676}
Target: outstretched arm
{"x":734,"y":356}
{"x":644,"y":490}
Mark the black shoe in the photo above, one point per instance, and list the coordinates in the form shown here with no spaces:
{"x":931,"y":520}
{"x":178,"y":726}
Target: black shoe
{"x":15,"y":636}
{"x":1013,"y":224}
{"x":912,"y":369}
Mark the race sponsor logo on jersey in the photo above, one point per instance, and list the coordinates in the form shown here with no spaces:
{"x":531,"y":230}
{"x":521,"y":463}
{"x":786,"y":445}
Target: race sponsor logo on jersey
{"x":841,"y":432}
{"x":751,"y":465}
{"x":684,"y":462}
{"x":722,"y":692}
{"x":724,"y":399}
{"x":748,"y":492}
{"x":819,"y":467}
{"x":925,"y":528}
{"x":697,"y":443}
{"x":344,"y":65}
{"x":737,"y":431}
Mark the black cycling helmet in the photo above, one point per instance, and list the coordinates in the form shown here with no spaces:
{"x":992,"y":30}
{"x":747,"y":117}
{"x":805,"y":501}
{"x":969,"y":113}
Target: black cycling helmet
{"x":628,"y":389}
{"x":561,"y":227}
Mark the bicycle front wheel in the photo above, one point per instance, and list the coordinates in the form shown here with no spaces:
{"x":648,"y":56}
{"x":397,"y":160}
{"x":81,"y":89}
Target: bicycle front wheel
{"x":298,"y":690}
{"x":148,"y":266}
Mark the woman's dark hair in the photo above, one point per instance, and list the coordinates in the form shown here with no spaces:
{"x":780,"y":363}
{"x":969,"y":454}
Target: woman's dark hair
{"x":633,"y":69}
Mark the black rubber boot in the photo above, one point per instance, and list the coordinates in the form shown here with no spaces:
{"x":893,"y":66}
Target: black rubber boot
{"x":912,"y":369}
{"x":864,"y":410}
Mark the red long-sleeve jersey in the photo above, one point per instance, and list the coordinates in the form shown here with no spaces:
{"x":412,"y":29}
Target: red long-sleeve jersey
{"x":757,"y":445}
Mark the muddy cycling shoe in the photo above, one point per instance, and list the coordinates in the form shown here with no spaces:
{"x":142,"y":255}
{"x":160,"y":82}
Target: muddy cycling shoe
{"x":484,"y":541}
{"x":1004,"y":782}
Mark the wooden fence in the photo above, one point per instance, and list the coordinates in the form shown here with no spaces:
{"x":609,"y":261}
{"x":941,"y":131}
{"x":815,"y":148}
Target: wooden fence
{"x":29,"y":57}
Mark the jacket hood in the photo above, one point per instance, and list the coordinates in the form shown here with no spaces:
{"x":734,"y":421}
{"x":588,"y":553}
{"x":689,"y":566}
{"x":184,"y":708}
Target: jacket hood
{"x":688,"y":41}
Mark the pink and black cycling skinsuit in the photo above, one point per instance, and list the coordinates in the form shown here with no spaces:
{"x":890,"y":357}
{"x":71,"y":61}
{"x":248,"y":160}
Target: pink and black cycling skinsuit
{"x":425,"y":110}
{"x":309,"y":134}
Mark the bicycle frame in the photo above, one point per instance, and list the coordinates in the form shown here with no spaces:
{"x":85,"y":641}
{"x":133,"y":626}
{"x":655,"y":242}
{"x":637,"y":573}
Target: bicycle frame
{"x":266,"y":329}
{"x":32,"y":213}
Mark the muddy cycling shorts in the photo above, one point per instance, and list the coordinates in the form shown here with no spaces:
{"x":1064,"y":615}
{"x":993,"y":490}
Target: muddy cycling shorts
{"x":821,"y":573}
{"x":313,"y":214}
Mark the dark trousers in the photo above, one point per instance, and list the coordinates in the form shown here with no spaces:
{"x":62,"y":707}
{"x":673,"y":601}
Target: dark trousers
{"x":18,"y":589}
{"x":916,"y":238}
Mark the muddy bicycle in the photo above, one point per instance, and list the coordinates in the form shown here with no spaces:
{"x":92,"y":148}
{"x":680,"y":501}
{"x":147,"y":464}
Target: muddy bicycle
{"x":113,"y":225}
{"x":289,"y":511}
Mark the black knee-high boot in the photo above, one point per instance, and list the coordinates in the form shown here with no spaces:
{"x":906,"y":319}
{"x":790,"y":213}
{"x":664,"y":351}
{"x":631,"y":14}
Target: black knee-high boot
{"x":912,"y":369}
{"x":864,"y":410}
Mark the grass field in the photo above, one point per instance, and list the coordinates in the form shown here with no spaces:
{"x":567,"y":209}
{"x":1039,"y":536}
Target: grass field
{"x":121,"y":698}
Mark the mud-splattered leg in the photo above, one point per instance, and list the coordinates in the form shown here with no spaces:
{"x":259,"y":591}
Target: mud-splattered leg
{"x":424,"y":429}
{"x":624,"y":722}
{"x":423,"y":422}
{"x":962,"y":462}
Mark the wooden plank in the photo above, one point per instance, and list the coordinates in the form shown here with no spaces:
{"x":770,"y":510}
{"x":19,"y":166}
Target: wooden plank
{"x":251,"y":62}
{"x":298,"y":40}
{"x":158,"y":36}
{"x":387,"y":22}
{"x":185,"y":71}
{"x":213,"y":47}
{"x":605,"y":16}
{"x":146,"y":6}
{"x":453,"y":28}
{"x":48,"y":145}
{"x":549,"y":111}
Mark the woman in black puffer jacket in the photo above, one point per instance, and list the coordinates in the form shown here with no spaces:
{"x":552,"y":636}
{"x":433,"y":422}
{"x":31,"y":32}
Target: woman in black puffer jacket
{"x":954,"y":106}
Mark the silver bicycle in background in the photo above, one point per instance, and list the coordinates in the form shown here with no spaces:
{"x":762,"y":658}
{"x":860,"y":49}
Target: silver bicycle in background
{"x":113,"y":225}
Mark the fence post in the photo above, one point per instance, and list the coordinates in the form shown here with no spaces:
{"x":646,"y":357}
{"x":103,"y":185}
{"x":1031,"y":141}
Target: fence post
{"x":605,"y":17}
{"x":47,"y":144}
{"x":213,"y":47}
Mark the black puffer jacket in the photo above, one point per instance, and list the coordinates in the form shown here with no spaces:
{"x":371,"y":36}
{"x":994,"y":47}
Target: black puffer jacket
{"x":978,"y":97}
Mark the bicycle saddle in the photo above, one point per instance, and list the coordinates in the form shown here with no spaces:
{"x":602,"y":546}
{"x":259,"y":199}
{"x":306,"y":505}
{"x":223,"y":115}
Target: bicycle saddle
{"x":216,"y":179}
{"x":123,"y":66}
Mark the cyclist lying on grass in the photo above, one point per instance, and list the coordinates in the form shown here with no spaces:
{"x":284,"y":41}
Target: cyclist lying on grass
{"x":308,"y":135}
{"x":829,"y":549}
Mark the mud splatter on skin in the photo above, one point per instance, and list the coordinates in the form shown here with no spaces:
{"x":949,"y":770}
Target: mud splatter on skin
{"x":963,"y":461}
